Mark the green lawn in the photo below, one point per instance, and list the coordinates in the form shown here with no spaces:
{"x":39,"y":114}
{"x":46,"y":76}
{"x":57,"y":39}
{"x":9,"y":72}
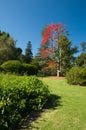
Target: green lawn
{"x":66,"y":109}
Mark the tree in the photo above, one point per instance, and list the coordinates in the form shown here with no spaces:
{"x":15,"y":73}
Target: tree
{"x":56,"y":47}
{"x":83,"y":47}
{"x":28,"y":52}
{"x":81,"y":59}
{"x":8,"y":50}
{"x":66,"y":54}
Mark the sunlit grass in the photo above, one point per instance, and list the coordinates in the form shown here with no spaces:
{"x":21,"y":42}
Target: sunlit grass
{"x":69,"y":113}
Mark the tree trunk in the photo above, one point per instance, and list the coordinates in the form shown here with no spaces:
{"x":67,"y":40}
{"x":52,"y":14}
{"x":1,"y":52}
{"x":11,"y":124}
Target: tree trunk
{"x":59,"y":63}
{"x":58,"y":73}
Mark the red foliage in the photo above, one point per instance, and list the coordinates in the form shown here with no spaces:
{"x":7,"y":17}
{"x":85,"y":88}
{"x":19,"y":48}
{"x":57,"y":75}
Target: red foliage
{"x":45,"y":53}
{"x":51,"y":64}
{"x":50,"y":30}
{"x":50,"y":36}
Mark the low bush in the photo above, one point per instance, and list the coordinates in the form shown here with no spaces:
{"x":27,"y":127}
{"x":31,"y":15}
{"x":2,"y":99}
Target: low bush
{"x":76,"y":76}
{"x":18,"y":94}
{"x":48,"y":71}
{"x":30,"y":69}
{"x":12,"y":66}
{"x":83,"y":77}
{"x":16,"y":67}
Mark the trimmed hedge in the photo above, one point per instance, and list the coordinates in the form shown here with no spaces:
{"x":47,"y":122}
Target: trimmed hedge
{"x":18,"y":94}
{"x":12,"y":66}
{"x":16,"y":67}
{"x":77,"y":76}
{"x":30,"y":69}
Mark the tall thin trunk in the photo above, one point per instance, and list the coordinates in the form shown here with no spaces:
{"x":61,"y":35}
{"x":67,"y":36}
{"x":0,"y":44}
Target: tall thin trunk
{"x":59,"y":60}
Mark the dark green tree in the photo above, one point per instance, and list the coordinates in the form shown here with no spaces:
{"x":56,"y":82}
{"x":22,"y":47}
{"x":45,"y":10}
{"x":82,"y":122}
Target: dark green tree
{"x":83,"y":47}
{"x":35,"y":61}
{"x":8,"y":50}
{"x":65,"y":54}
{"x":28,"y":52}
{"x":81,"y":59}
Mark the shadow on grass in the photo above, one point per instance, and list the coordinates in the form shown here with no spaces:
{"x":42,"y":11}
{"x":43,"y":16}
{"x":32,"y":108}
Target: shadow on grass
{"x":53,"y":102}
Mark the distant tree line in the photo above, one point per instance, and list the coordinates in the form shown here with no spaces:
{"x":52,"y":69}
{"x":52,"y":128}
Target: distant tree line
{"x":55,"y":53}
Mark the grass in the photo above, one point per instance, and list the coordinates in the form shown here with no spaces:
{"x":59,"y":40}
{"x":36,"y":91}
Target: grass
{"x":66,"y":109}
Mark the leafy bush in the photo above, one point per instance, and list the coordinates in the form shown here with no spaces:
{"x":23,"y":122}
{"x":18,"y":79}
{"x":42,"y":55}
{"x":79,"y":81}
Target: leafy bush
{"x":82,"y":80}
{"x":48,"y":71}
{"x":30,"y":69}
{"x":14,"y":66}
{"x":18,"y":94}
{"x":76,"y":75}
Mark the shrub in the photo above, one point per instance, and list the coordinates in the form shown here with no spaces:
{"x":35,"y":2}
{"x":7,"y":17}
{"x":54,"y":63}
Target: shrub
{"x":12,"y":66}
{"x":47,"y":71}
{"x":76,"y":75}
{"x":82,"y":80}
{"x":18,"y":94}
{"x":30,"y":69}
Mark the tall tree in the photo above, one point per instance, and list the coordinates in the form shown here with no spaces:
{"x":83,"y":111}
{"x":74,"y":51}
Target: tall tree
{"x":83,"y":47}
{"x":66,"y":53}
{"x":28,"y":52}
{"x":81,"y":59}
{"x":8,"y":50}
{"x":56,"y":46}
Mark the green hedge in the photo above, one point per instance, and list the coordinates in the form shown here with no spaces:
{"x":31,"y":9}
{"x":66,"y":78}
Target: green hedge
{"x":77,"y":76}
{"x":30,"y":69}
{"x":83,"y":77}
{"x":51,"y":71}
{"x":16,"y":67}
{"x":18,"y":94}
{"x":12,"y":66}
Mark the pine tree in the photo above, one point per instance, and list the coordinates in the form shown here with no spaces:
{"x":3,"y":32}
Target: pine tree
{"x":28,"y":52}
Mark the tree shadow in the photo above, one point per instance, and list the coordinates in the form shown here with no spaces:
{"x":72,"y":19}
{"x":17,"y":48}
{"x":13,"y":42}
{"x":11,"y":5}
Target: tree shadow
{"x":53,"y":102}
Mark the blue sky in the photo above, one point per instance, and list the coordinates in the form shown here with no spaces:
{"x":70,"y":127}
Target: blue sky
{"x":25,"y":19}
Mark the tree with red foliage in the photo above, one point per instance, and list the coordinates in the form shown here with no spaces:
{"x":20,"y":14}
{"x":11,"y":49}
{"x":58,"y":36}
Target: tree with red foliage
{"x":52,"y":32}
{"x":51,"y":36}
{"x":56,"y":47}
